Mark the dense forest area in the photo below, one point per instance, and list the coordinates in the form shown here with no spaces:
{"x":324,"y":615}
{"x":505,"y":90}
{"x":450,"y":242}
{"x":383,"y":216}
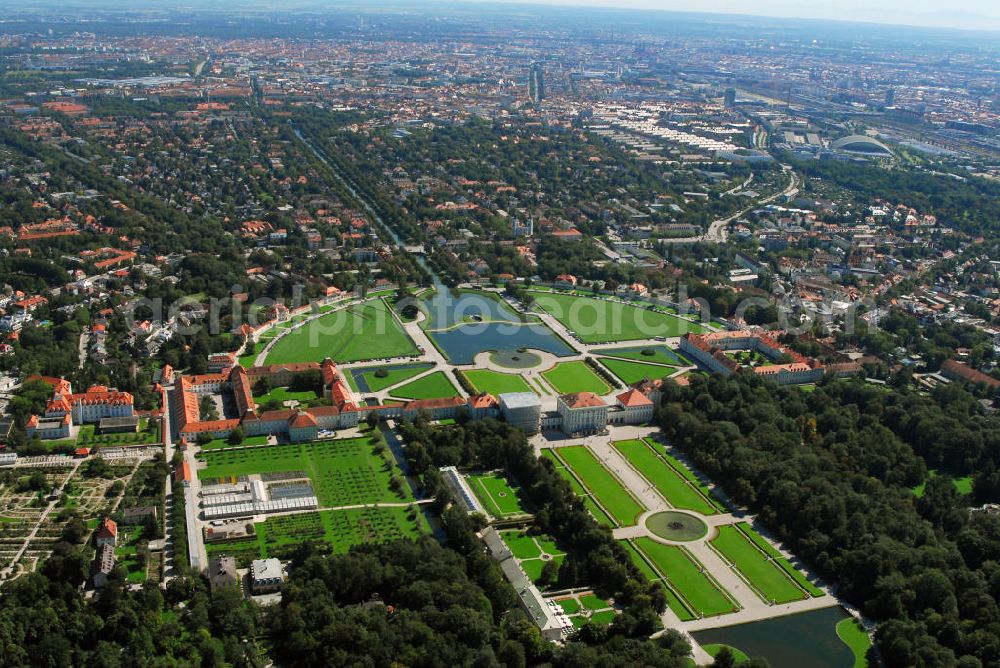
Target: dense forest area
{"x":832,"y":474}
{"x":423,"y":604}
{"x":45,"y":621}
{"x":969,"y":204}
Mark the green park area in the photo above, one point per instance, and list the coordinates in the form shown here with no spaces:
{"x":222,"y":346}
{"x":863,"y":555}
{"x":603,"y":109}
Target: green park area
{"x":343,"y":472}
{"x":630,"y":372}
{"x":652,"y":354}
{"x":379,"y":378}
{"x":496,"y":494}
{"x":695,"y":593}
{"x":771,"y":582}
{"x":605,"y":488}
{"x":854,"y":636}
{"x":680,"y":492}
{"x":533,"y":552}
{"x":217,"y":443}
{"x":963,"y":485}
{"x":432,"y":386}
{"x":576,"y":376}
{"x":88,"y":437}
{"x":280,"y":535}
{"x":779,"y":559}
{"x":587,"y":607}
{"x":601,"y":320}
{"x":494,"y":382}
{"x":279,"y":395}
{"x":362,"y":332}
{"x":588,"y":499}
{"x":739,"y":656}
{"x":127,"y":553}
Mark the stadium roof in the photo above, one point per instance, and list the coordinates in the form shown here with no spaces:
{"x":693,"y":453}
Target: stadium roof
{"x":861,"y":144}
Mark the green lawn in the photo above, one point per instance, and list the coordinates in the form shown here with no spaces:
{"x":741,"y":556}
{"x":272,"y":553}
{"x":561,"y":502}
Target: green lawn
{"x":576,"y":376}
{"x":630,"y":372}
{"x":496,"y":383}
{"x":659,"y":355}
{"x":283,"y":394}
{"x":607,"y":490}
{"x":569,"y":605}
{"x":779,"y":559}
{"x":88,"y":436}
{"x":583,"y":608}
{"x":767,"y":577}
{"x":678,"y":492}
{"x":247,"y":360}
{"x":280,"y":535}
{"x":588,"y":501}
{"x":217,"y":443}
{"x":679,"y":607}
{"x":593,"y":602}
{"x":496,"y":495}
{"x":126,"y":553}
{"x":854,"y":636}
{"x":521,"y":544}
{"x":393,"y":376}
{"x":688,"y":475}
{"x":600,"y":320}
{"x":343,"y":472}
{"x":738,"y":654}
{"x":532,"y":552}
{"x":687,"y":577}
{"x":962,"y":485}
{"x":362,"y":332}
{"x":432,"y":386}
{"x":603,"y":617}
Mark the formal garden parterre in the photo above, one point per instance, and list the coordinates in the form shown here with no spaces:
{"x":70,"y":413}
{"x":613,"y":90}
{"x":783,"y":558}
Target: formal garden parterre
{"x":362,"y":332}
{"x":343,"y":472}
{"x":575,"y":376}
{"x":595,"y":320}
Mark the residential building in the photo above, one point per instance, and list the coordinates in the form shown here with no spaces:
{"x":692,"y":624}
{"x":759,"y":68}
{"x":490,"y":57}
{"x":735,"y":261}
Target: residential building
{"x":104,"y":564}
{"x":266,"y":576}
{"x":107,"y":533}
{"x":222,"y":573}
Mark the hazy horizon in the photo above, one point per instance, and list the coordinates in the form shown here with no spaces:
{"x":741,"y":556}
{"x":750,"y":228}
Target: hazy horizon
{"x":960,"y":14}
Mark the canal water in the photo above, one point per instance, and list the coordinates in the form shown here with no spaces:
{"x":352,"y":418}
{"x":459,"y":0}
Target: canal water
{"x":446,"y":308}
{"x":462,"y":343}
{"x":805,"y":640}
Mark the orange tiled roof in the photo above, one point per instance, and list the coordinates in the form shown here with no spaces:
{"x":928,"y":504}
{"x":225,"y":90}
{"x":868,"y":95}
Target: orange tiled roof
{"x":582,"y":400}
{"x":633,"y":399}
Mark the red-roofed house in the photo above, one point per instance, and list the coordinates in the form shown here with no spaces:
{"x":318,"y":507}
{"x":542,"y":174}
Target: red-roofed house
{"x":107,"y":533}
{"x":634,"y":407}
{"x":572,"y":234}
{"x":565,"y":281}
{"x":182,"y":475}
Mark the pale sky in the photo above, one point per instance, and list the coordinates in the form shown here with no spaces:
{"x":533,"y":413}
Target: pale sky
{"x":966,"y":14}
